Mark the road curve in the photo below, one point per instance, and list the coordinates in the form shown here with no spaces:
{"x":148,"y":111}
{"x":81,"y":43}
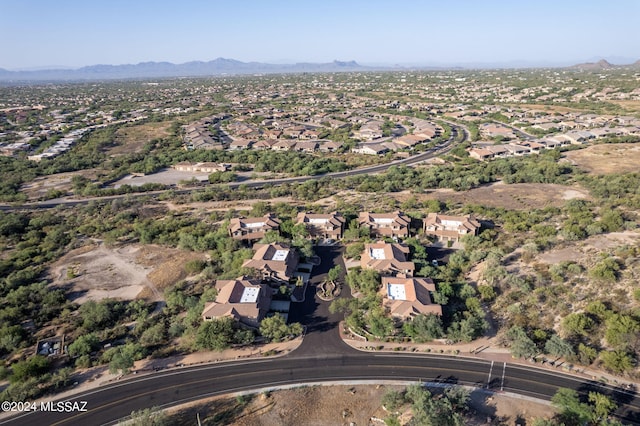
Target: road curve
{"x":442,"y":149}
{"x":111,"y":403}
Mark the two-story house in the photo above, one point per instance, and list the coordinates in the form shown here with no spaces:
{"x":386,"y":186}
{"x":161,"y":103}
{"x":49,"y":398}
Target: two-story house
{"x":323,"y":225}
{"x":407,"y":297}
{"x":274,"y":261}
{"x":253,"y":228}
{"x":450,"y":228}
{"x":387,"y":259}
{"x":243,"y":299}
{"x":392,"y":225}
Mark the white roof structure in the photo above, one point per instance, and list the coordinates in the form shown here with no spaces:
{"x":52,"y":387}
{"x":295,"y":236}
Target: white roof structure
{"x":396,"y":292}
{"x":250,"y":295}
{"x":377,"y":253}
{"x":382,"y":220}
{"x":253,"y":225}
{"x":280,"y":255}
{"x":318,"y":220}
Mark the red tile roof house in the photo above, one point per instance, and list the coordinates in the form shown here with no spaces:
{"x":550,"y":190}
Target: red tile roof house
{"x":450,"y":228}
{"x":393,"y":225}
{"x":480,"y":153}
{"x":274,"y":261}
{"x":243,"y":299}
{"x":253,"y":228}
{"x":240,"y":144}
{"x":406,"y":298}
{"x":323,"y":225}
{"x":387,"y":259}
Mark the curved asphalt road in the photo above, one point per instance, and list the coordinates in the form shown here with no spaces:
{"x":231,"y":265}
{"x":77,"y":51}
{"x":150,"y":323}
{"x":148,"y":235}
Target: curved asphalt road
{"x":322,"y":357}
{"x":442,"y":149}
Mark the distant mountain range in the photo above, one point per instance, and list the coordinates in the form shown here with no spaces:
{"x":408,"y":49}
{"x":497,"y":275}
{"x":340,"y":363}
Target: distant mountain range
{"x":216,"y":67}
{"x":603,"y":64}
{"x":223,"y":66}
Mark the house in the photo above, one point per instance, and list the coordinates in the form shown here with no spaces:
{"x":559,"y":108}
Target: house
{"x":206,"y":167}
{"x":263,"y":144}
{"x":240,"y":144}
{"x":481,"y":154}
{"x":243,"y":299}
{"x":387,"y":259}
{"x":405,"y":298}
{"x":370,"y":149}
{"x":323,"y":225}
{"x":393,"y":225}
{"x":253,"y":228}
{"x":274,"y":261}
{"x":534,"y":147}
{"x":284,"y":145}
{"x":517,"y":150}
{"x":307,"y":146}
{"x":450,"y":228}
{"x":330,"y":146}
{"x":409,"y":141}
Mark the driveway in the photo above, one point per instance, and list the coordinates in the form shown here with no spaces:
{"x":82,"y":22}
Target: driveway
{"x":322,"y":336}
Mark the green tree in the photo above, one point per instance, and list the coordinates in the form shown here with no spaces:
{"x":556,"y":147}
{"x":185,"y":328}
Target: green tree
{"x":392,"y":400}
{"x":618,"y":361}
{"x":276,"y":329}
{"x":559,"y":347}
{"x":33,"y":367}
{"x":424,"y":328}
{"x":521,"y":345}
{"x":216,"y":334}
{"x":95,"y":315}
{"x":571,"y":410}
{"x":153,"y":335}
{"x":334,"y":274}
{"x":602,"y":406}
{"x":605,"y":270}
{"x":577,"y":324}
{"x":84,"y":345}
{"x":378,"y":323}
{"x":123,"y":357}
{"x":622,"y":330}
{"x":354,"y":250}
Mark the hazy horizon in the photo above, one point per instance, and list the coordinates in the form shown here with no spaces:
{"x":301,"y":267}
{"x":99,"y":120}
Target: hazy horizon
{"x":73,"y":33}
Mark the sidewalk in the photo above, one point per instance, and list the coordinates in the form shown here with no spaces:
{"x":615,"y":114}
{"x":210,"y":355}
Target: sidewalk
{"x":487,"y":349}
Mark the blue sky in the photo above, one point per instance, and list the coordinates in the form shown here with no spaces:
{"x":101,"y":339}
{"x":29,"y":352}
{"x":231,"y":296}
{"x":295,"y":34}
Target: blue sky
{"x":73,"y":33}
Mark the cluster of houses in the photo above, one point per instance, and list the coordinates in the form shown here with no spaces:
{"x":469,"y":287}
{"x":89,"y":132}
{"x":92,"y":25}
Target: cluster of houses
{"x":486,"y":150}
{"x":61,"y":146}
{"x":247,"y":300}
{"x":198,"y":135}
{"x":282,"y":133}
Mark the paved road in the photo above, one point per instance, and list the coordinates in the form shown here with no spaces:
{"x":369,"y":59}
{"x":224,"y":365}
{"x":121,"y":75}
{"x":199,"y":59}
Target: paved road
{"x":322,"y":357}
{"x":108,"y":404}
{"x":442,"y":149}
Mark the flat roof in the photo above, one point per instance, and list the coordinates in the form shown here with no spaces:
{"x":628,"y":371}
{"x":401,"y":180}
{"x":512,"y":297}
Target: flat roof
{"x":254,"y":225}
{"x":377,"y":253}
{"x":318,"y":220}
{"x":280,"y":255}
{"x":383,"y":220}
{"x":396,"y":292}
{"x":250,"y":295}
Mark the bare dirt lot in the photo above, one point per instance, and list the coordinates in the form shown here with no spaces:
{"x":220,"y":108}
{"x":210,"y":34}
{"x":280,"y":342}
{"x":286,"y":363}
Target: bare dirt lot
{"x":340,"y":405}
{"x":607,"y":158}
{"x":96,"y":272}
{"x":583,"y":250}
{"x":520,"y":196}
{"x":60,"y":181}
{"x":131,"y":139}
